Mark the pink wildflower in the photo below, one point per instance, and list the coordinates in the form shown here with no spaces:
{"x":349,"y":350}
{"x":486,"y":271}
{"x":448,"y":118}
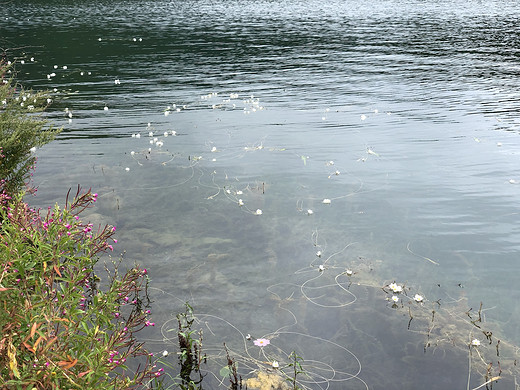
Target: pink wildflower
{"x":261,"y":342}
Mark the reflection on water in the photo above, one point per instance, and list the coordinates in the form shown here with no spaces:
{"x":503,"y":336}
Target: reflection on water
{"x":402,"y":115}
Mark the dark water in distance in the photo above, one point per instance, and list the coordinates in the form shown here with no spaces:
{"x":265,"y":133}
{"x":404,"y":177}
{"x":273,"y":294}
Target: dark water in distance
{"x":415,"y":102}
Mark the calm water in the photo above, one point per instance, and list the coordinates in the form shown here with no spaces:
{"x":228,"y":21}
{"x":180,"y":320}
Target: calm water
{"x":404,"y":114}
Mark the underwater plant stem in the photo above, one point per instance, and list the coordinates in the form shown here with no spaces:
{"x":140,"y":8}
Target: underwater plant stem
{"x":495,"y":378}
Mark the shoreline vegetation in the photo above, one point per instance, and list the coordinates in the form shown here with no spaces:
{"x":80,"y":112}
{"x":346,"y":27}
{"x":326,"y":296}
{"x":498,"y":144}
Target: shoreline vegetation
{"x":58,"y":327}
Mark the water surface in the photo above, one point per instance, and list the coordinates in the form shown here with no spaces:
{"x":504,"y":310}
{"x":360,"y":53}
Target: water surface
{"x":403,"y":114}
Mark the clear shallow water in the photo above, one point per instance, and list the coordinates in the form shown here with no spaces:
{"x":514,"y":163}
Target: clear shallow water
{"x":416,"y":104}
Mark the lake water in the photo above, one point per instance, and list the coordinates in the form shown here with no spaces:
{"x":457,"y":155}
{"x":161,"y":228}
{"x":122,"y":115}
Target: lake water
{"x":379,"y":140}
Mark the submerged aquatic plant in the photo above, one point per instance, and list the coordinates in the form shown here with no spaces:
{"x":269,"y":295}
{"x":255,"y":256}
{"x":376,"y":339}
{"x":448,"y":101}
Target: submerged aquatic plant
{"x":190,"y":356}
{"x":235,"y":380}
{"x":295,"y":364}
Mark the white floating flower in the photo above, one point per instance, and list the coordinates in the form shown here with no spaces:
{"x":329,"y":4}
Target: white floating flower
{"x":475,"y":342}
{"x":349,"y":272}
{"x":105,"y":108}
{"x":159,"y":143}
{"x":166,"y":134}
{"x":337,"y":173}
{"x":258,"y":212}
{"x":166,"y":113}
{"x":310,"y":212}
{"x":239,"y":192}
{"x":150,"y":134}
{"x":117,"y":81}
{"x":132,"y":153}
{"x":22,"y":62}
{"x":395,"y":298}
{"x":418,"y":298}
{"x":363,"y":117}
{"x":33,"y":149}
{"x":173,"y":132}
{"x":214,"y":149}
{"x":321,"y":268}
{"x":240,"y":202}
{"x":55,"y":66}
{"x":326,"y":201}
{"x":127,"y":169}
{"x":65,"y":67}
{"x":138,"y":135}
{"x":395,"y":287}
{"x":318,"y":253}
{"x":165,"y":353}
{"x":275,"y":364}
{"x":228,"y":191}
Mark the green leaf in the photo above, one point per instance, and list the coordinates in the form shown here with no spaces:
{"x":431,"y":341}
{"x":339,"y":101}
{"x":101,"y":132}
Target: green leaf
{"x":225,"y":371}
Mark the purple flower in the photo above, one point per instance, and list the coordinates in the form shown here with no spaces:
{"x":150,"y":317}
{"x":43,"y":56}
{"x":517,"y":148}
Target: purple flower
{"x":261,"y":342}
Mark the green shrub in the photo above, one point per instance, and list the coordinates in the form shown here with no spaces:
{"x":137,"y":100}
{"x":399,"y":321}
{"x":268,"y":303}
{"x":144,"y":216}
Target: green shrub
{"x":21,"y":128}
{"x":58,"y":328}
